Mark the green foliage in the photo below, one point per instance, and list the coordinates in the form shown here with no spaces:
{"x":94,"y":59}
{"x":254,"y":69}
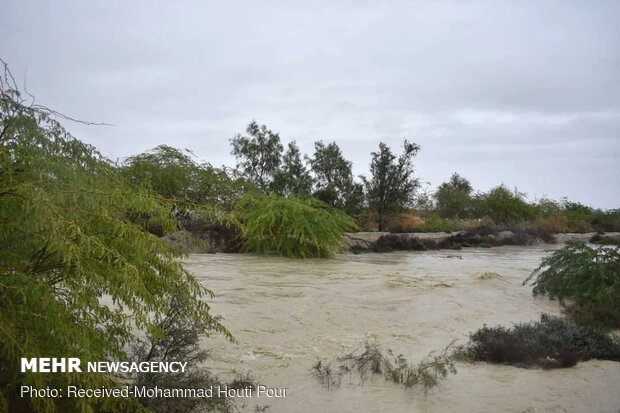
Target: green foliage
{"x":605,"y":221}
{"x":220,"y":188}
{"x":180,"y":341}
{"x":504,"y":206}
{"x":391,"y":186}
{"x":175,"y":175}
{"x":551,"y":342}
{"x":433,"y":223}
{"x":258,"y":155}
{"x":170,"y":172}
{"x":293,"y":178}
{"x":80,"y":275}
{"x":334,"y":179}
{"x":371,"y":361}
{"x":588,"y":277}
{"x":578,"y":216}
{"x":453,"y":198}
{"x":292,"y":227}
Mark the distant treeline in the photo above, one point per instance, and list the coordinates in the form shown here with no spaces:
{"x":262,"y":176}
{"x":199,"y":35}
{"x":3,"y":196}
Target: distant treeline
{"x":390,"y":198}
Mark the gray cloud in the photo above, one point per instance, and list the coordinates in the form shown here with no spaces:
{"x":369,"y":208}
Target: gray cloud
{"x":524,"y":93}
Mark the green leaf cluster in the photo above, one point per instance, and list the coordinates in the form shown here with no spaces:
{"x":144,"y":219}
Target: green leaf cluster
{"x":391,"y":186}
{"x":586,"y":280}
{"x":292,"y":227}
{"x":175,"y":175}
{"x":79,"y":274}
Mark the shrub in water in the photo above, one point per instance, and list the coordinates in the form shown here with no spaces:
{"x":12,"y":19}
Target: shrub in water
{"x":371,"y":361}
{"x":589,"y":278}
{"x":292,"y":227}
{"x":549,"y":343}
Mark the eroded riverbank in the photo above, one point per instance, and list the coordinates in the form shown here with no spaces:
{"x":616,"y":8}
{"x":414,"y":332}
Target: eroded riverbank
{"x":286,"y":313}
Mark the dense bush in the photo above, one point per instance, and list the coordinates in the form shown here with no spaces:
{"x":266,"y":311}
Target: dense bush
{"x":453,"y":198}
{"x":606,"y":221}
{"x":175,"y":175}
{"x":292,"y":227}
{"x":589,"y":278}
{"x":504,"y":206}
{"x":549,"y":343}
{"x":578,"y":216}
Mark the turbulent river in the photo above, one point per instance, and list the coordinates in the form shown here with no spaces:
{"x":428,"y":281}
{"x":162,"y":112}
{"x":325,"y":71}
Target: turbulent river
{"x":286,"y":314}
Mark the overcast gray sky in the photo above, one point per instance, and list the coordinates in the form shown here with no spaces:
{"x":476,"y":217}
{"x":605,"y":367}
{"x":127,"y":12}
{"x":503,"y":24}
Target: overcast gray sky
{"x":522,"y":92}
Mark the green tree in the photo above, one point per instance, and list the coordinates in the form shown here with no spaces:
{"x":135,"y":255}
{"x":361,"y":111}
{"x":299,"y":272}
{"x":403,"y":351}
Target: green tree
{"x":334,"y":177}
{"x":391,"y":185}
{"x":292,"y":227}
{"x":453,"y":198}
{"x":221,"y":187}
{"x":80,"y":274}
{"x":293,"y":178}
{"x":505,"y":206}
{"x":175,"y":175}
{"x":578,"y":216}
{"x":585,"y":280}
{"x":170,"y":172}
{"x":258,"y":155}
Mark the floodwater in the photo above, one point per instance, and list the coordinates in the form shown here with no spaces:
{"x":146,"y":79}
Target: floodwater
{"x":288,"y":313}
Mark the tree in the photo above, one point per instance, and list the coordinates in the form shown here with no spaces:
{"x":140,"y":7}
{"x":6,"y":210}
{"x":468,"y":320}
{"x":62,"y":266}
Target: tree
{"x":292,"y":227}
{"x":293,"y":178}
{"x":453,"y":198}
{"x":505,"y":206}
{"x":221,"y":187}
{"x":170,"y":172}
{"x":333,"y":176}
{"x":585,"y":280}
{"x":258,"y":155}
{"x":175,"y":175}
{"x":81,"y":277}
{"x":392,"y":185}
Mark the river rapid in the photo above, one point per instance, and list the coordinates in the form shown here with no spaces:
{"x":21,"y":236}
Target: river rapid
{"x":287,"y":313}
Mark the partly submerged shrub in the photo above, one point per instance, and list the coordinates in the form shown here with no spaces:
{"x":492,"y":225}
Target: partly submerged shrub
{"x":601,"y":239}
{"x":549,"y":343}
{"x":371,"y":361}
{"x":180,"y":340}
{"x":292,"y":227}
{"x":589,"y":278}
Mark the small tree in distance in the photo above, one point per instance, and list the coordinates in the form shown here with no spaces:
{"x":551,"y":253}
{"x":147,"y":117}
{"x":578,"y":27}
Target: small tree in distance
{"x":293,"y":178}
{"x":453,"y":198}
{"x":334,"y":179}
{"x":258,"y":155}
{"x":391,"y":185}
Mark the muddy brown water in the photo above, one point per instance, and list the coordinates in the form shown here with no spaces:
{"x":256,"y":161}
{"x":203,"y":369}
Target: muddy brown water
{"x":288,"y":313}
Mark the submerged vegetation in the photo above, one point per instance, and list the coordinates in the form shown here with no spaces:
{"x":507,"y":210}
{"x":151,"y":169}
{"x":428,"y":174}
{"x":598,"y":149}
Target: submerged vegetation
{"x":371,"y":361}
{"x":179,"y":340}
{"x":585,"y":280}
{"x":551,"y":342}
